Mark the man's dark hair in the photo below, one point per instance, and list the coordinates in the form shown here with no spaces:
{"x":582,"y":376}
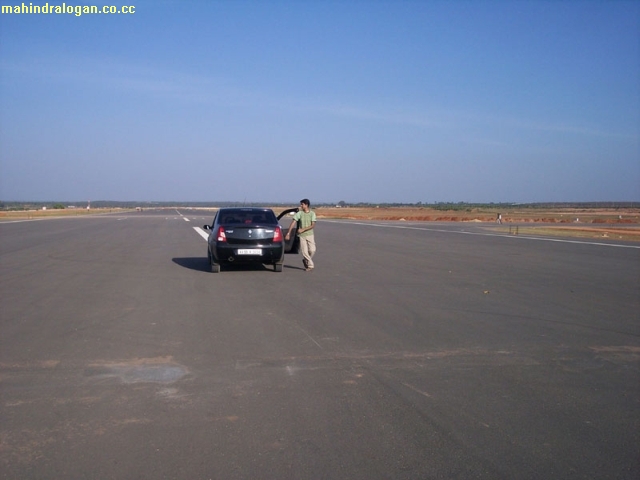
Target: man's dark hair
{"x":306,"y":202}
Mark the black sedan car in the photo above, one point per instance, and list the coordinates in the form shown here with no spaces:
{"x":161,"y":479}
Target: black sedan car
{"x":248,"y":236}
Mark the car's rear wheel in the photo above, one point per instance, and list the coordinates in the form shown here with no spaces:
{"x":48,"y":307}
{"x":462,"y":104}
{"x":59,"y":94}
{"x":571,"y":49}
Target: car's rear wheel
{"x":215,"y":268}
{"x":277,"y":267}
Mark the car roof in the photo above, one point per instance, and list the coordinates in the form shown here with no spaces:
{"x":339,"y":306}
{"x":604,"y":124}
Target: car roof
{"x":245,"y":209}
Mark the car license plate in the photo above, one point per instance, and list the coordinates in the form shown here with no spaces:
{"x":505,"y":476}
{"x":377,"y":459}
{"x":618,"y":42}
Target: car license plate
{"x":250,"y":251}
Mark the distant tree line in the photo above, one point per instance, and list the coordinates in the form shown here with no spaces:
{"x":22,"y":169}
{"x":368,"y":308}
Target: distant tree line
{"x":445,"y":206}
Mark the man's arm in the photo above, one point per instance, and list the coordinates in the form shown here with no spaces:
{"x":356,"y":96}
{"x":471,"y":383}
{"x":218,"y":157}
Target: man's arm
{"x":293,"y":222}
{"x":313,"y":224}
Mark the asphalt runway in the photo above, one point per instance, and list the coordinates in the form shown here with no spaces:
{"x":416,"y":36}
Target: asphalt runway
{"x":413,"y":351}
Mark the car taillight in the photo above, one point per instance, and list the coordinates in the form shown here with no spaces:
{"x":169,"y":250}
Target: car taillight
{"x":221,"y":237}
{"x":277,"y":235}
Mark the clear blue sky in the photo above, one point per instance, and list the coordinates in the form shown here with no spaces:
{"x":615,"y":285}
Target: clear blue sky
{"x":361,"y":101}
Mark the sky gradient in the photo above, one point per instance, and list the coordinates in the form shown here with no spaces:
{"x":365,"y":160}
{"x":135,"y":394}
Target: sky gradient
{"x":356,"y":101}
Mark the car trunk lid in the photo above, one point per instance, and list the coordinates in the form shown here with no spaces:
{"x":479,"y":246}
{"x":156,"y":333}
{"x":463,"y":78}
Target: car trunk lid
{"x":249,"y":235}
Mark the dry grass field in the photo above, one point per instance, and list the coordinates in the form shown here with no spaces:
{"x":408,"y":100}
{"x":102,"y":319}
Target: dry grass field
{"x":63,"y":212}
{"x":597,"y":216}
{"x":622,"y":224}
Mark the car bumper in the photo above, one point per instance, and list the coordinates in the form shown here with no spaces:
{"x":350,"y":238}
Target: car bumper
{"x":228,"y":254}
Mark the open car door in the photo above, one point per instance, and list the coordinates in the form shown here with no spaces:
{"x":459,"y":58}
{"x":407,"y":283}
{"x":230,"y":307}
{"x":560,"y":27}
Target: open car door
{"x":293,"y":244}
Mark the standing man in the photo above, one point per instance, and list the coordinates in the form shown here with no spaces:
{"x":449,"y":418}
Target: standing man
{"x":306,"y":220}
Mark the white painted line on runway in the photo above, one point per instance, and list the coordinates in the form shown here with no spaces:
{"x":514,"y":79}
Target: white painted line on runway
{"x":202,"y":233}
{"x":22,"y":221}
{"x":186,"y":219}
{"x":521,"y":237}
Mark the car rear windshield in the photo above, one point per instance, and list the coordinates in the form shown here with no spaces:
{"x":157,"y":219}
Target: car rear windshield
{"x":230,"y":217}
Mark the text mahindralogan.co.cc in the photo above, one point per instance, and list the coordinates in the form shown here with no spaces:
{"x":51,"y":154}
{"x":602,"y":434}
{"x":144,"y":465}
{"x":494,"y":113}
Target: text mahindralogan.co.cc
{"x":63,"y":8}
